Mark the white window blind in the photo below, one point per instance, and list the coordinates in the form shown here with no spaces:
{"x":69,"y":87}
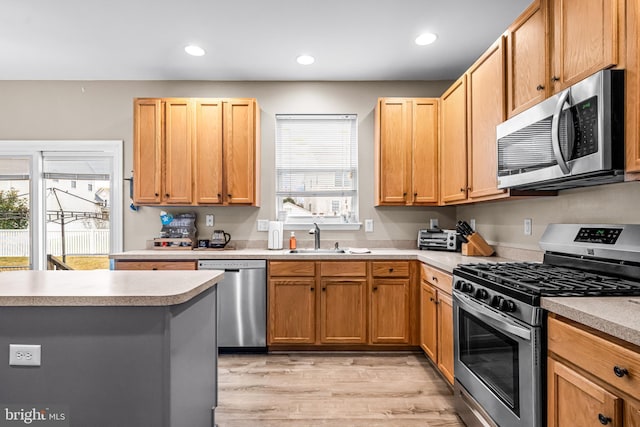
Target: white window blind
{"x":317,"y":164}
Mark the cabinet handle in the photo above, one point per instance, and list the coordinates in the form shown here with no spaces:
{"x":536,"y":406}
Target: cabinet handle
{"x":434,"y":278}
{"x":154,"y":268}
{"x":437,"y":302}
{"x":555,"y":79}
{"x":324,"y":289}
{"x":539,"y":88}
{"x":219,"y":195}
{"x":462,"y":190}
{"x":430,"y":298}
{"x":391,"y":270}
{"x":166,"y":195}
{"x":156,"y":194}
{"x":620,"y":372}
{"x":375,"y":288}
{"x":229,"y":196}
{"x":404,"y":195}
{"x":415,"y":194}
{"x":603,"y":420}
{"x":312,"y":288}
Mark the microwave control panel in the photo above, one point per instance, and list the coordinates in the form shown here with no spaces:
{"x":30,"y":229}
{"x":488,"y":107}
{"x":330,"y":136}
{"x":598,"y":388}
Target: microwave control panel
{"x":585,"y":128}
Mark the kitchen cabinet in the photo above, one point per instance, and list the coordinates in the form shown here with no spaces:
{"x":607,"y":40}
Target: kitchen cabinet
{"x":436,"y":319}
{"x":155,"y":265}
{"x":453,"y":143}
{"x":292,"y":303}
{"x":592,"y":378}
{"x":632,"y":87}
{"x":527,"y":50}
{"x":585,"y":37}
{"x":406,"y":151}
{"x":196,"y":151}
{"x":390,"y":303}
{"x":343,"y":297}
{"x":485,"y":91}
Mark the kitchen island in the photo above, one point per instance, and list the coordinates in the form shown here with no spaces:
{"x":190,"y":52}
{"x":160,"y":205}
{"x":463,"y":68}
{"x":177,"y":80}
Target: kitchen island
{"x":118,"y":348}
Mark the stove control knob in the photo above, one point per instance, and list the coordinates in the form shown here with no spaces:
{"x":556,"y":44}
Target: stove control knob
{"x":467,"y":288}
{"x":506,"y":305}
{"x":481,"y":294}
{"x":459,"y":285}
{"x":496,"y":301}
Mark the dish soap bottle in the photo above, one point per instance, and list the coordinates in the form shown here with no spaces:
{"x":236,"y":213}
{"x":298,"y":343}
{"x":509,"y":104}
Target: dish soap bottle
{"x":292,"y":241}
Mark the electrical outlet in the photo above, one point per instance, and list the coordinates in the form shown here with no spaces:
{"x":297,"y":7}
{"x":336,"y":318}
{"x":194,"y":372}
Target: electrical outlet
{"x":527,"y":226}
{"x":24,"y":355}
{"x":368,"y":226}
{"x":263,"y":225}
{"x":210,"y":220}
{"x":472,"y":223}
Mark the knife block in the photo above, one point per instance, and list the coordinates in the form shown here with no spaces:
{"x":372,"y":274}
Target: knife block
{"x":476,"y":246}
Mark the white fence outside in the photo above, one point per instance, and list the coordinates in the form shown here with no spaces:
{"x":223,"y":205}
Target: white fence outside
{"x":15,"y":243}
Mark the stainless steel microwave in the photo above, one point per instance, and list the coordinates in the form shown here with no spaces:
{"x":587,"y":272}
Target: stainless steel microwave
{"x":572,"y":139}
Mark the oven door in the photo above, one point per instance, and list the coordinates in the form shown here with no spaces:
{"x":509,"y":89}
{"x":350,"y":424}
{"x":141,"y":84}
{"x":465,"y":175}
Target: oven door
{"x":497,"y":362}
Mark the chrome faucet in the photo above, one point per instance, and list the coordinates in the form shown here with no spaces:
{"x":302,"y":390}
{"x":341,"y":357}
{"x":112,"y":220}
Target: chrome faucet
{"x":316,"y":232}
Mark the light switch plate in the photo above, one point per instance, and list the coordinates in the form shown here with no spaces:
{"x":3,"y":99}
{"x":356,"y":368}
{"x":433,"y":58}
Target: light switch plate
{"x":263,"y":225}
{"x":210,"y":220}
{"x":527,"y":226}
{"x":24,"y":355}
{"x":368,"y":226}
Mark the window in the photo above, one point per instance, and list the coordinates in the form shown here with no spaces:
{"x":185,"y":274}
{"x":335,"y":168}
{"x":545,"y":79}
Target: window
{"x":317,"y":170}
{"x":51,"y":221}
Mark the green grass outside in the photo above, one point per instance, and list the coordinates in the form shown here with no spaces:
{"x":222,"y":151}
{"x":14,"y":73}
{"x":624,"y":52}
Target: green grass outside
{"x":75,"y":262}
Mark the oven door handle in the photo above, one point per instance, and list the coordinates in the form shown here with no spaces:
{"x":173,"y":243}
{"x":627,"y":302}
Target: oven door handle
{"x":495,"y":320}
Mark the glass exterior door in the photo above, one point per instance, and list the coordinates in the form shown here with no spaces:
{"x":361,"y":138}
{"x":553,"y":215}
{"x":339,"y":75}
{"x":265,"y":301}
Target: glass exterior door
{"x":15,"y":205}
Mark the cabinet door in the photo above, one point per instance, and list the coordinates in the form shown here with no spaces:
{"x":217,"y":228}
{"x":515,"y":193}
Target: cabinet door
{"x":390,"y":311}
{"x":393,"y":156}
{"x":631,"y":414}
{"x":632,"y":88}
{"x":424,"y":166}
{"x":485,"y":88}
{"x":585,"y":39}
{"x":292,"y":311}
{"x":428,"y":321}
{"x":527,"y":59}
{"x":177,"y":151}
{"x":573,"y":400}
{"x":445,"y":335}
{"x":208,"y":151}
{"x":453,"y":143}
{"x":241,"y":146}
{"x":147,"y":151}
{"x":343,"y":314}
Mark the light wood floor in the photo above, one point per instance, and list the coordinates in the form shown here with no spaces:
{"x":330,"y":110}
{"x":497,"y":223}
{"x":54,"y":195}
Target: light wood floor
{"x":346,"y":390}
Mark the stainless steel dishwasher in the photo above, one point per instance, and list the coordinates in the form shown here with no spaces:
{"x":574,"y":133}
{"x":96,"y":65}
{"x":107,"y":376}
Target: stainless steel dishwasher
{"x":242,"y":304}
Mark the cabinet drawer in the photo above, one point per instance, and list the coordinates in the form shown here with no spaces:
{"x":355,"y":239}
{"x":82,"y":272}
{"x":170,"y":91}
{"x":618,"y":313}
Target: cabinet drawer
{"x":343,"y":268}
{"x":390,"y":268}
{"x":155,"y":265}
{"x":292,"y":268}
{"x":596,"y":355}
{"x":438,"y":278}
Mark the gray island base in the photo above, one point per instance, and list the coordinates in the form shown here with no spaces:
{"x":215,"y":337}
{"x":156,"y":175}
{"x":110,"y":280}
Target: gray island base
{"x":152,"y":364}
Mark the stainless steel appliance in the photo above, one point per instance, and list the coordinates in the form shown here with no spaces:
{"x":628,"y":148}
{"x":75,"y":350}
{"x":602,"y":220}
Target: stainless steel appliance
{"x":242,"y":304}
{"x":572,"y":139}
{"x":499,"y":330}
{"x":438,"y":239}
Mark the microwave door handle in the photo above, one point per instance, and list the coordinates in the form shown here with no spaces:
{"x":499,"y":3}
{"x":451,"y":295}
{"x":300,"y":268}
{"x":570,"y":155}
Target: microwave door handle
{"x":555,"y":132}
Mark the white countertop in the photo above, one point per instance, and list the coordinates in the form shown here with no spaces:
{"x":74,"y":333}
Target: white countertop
{"x":616,"y":316}
{"x":443,"y":260}
{"x":103,"y":287}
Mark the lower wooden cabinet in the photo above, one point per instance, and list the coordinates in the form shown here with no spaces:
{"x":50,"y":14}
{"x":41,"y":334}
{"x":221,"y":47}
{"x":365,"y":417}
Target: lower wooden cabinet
{"x":436,"y":318}
{"x":156,"y":265}
{"x":344,"y":303}
{"x":292,"y":311}
{"x":592,"y":379}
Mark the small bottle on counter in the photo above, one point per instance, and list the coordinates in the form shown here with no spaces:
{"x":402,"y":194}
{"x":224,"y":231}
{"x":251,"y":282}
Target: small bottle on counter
{"x":292,"y":241}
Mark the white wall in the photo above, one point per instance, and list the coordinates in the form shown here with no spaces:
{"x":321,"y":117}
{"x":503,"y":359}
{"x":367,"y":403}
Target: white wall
{"x":104,"y":110}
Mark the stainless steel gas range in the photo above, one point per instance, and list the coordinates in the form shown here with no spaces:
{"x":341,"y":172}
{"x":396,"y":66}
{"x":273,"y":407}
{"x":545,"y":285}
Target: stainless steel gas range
{"x":499,"y":326}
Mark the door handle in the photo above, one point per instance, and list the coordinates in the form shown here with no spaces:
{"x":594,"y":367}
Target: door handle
{"x":555,"y":133}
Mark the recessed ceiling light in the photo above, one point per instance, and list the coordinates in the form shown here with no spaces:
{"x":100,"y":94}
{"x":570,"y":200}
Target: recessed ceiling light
{"x":194,"y":50}
{"x":425,"y":39}
{"x":305,"y":59}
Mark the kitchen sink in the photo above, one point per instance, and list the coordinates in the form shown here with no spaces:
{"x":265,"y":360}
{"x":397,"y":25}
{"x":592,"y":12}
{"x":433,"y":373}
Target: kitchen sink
{"x":317,"y":251}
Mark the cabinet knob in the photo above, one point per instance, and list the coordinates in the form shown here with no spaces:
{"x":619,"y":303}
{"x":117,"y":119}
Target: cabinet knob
{"x":539,"y":88}
{"x":555,"y":79}
{"x":603,"y":419}
{"x":375,"y":288}
{"x":415,"y":194}
{"x":620,"y":372}
{"x":166,"y":195}
{"x":391,"y":270}
{"x":462,"y":190}
{"x":154,"y":268}
{"x":434,"y":278}
{"x":430,"y":298}
{"x":219,"y":195}
{"x":404,"y":195}
{"x":156,"y":194}
{"x":324,"y":289}
{"x":312,"y":289}
{"x":229,"y":196}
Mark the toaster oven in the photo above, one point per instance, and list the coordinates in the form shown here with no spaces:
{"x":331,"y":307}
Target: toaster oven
{"x":438,"y":240}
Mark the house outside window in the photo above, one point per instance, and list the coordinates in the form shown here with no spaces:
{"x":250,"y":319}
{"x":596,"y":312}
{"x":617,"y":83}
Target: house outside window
{"x":317,"y":170}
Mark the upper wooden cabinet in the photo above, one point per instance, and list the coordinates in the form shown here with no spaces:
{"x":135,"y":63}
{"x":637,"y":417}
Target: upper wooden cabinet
{"x":406,"y":151}
{"x":527,"y":53}
{"x":584,"y":39}
{"x":453,"y":143}
{"x":485,"y":110}
{"x":196,"y":151}
{"x":632,"y":87}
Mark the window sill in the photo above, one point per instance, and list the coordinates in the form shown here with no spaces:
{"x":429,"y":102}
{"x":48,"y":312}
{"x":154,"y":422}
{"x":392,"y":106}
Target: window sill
{"x":330,"y":227}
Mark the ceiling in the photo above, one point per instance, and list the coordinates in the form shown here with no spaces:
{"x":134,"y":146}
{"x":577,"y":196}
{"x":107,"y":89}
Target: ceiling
{"x":246,"y":39}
